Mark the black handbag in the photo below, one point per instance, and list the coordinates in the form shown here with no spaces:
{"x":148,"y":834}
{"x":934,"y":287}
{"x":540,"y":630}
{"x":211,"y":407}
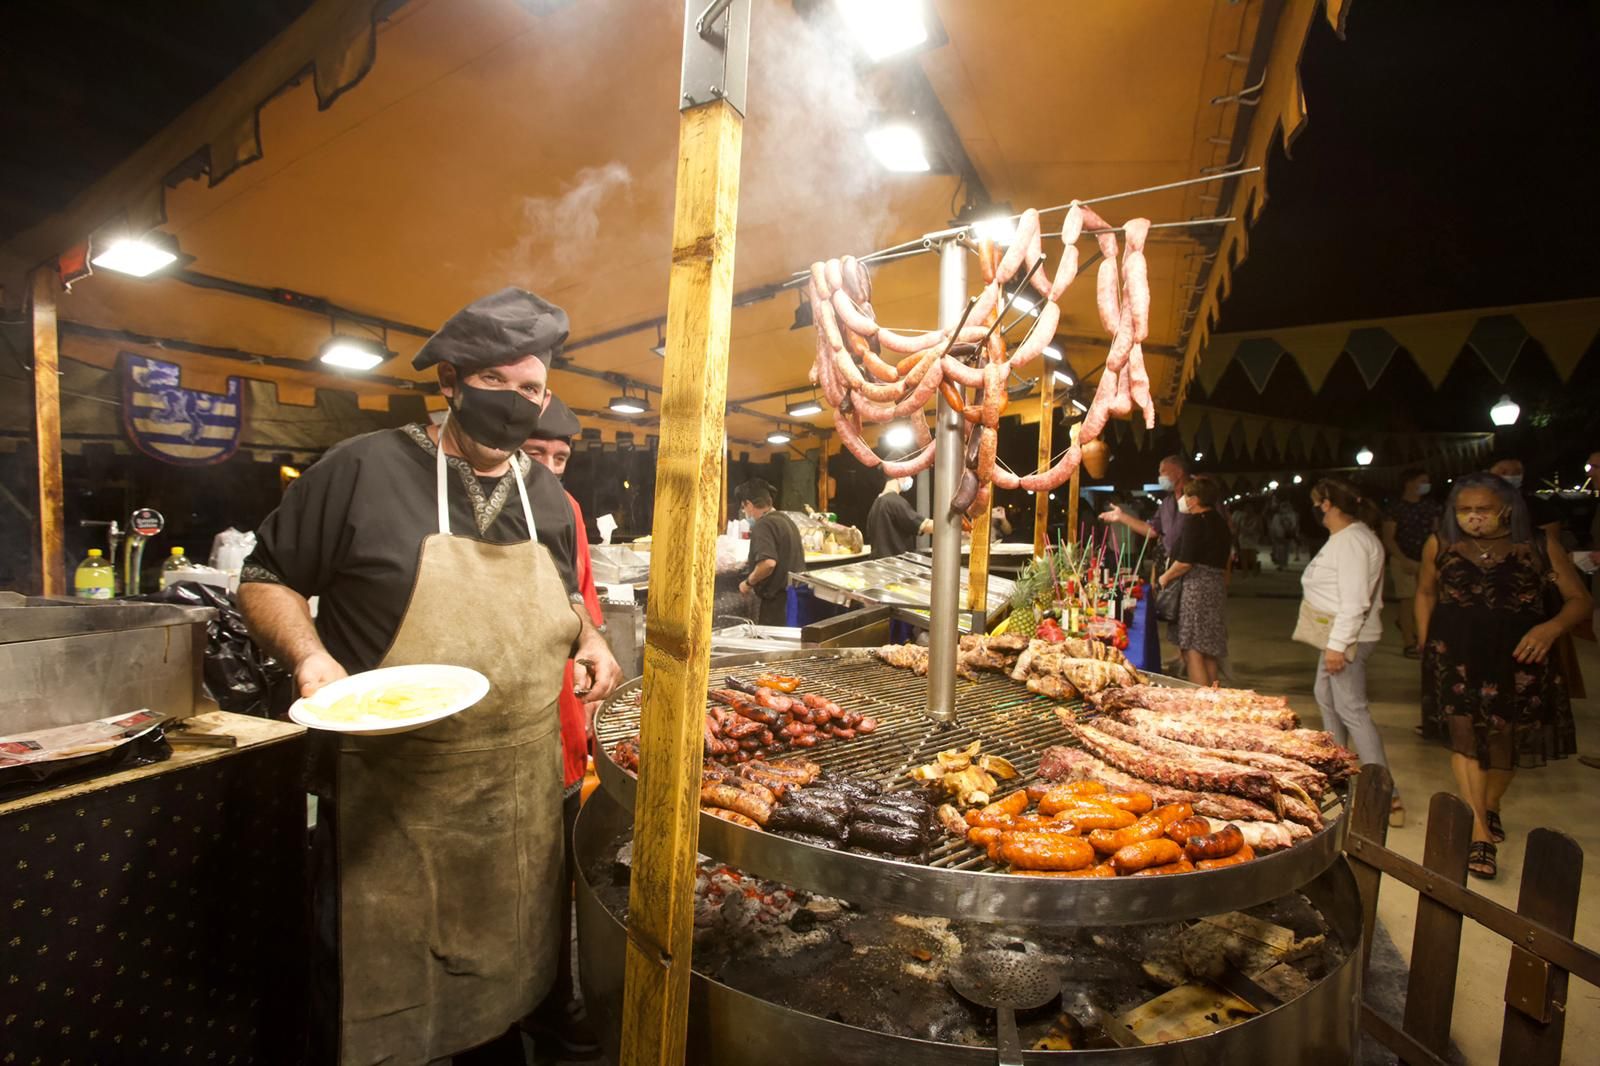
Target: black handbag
{"x":1168,"y":601}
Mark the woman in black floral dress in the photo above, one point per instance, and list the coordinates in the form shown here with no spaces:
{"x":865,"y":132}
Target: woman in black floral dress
{"x":1491,"y":601}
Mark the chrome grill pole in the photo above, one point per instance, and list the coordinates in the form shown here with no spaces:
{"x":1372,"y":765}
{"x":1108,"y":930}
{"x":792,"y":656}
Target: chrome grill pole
{"x":945,"y":602}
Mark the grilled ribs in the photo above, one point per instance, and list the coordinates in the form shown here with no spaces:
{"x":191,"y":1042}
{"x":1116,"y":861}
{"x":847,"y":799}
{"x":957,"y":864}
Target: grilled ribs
{"x":1072,"y":764}
{"x":1310,"y":746}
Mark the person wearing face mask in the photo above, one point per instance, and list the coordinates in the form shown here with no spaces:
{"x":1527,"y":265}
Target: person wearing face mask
{"x":893,"y":525}
{"x":437,"y":851}
{"x":1543,"y":515}
{"x":1407,"y":525}
{"x":1343,"y":592}
{"x":775,"y":552}
{"x":562,"y":1015}
{"x":1199,"y":560}
{"x":1167,"y":525}
{"x":1491,"y":603}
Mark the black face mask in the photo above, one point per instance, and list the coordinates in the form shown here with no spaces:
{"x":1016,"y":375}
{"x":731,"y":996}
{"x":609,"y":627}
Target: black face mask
{"x":496,"y":418}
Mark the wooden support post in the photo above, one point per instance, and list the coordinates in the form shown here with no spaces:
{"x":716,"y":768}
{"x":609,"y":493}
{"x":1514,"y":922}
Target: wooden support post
{"x":1072,"y":487}
{"x":1041,"y":500}
{"x":677,"y":649}
{"x":822,"y":477}
{"x":1436,"y":947}
{"x":1369,"y":819}
{"x":978,"y":560}
{"x":722,"y":494}
{"x":1536,"y":991}
{"x":47,"y":434}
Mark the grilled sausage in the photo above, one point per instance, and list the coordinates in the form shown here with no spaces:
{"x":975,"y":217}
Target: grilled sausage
{"x":1045,"y":851}
{"x":1137,"y":802}
{"x":1110,"y":841}
{"x":1095,"y":818}
{"x":1097,"y":870}
{"x":867,"y":724}
{"x":1244,"y":854}
{"x":732,"y":798}
{"x":1157,"y":852}
{"x":1218,"y":845}
{"x":1011,"y":805}
{"x":1173,"y":813}
{"x":731,"y":816}
{"x":1059,"y":797}
{"x":1183,"y":866}
{"x":755,"y":788}
{"x":981,"y":836}
{"x":1189,"y":827}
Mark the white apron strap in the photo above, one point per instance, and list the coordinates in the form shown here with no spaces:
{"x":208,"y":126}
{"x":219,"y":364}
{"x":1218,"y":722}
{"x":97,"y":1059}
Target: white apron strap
{"x":442,"y":482}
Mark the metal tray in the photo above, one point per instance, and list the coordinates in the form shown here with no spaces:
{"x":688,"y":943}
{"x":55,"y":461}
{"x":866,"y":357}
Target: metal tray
{"x":958,"y":881}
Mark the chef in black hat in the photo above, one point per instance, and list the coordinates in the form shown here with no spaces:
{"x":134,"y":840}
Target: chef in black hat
{"x":438,"y":544}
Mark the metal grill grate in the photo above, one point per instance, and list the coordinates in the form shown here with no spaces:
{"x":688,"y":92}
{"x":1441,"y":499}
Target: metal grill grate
{"x":1009,"y":720}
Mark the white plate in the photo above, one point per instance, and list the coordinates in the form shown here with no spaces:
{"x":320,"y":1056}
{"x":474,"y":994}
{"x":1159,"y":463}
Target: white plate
{"x":471,"y":685}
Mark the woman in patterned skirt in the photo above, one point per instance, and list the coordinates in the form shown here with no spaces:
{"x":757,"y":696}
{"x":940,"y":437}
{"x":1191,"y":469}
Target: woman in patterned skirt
{"x":1200,"y":560}
{"x":1491,"y":601}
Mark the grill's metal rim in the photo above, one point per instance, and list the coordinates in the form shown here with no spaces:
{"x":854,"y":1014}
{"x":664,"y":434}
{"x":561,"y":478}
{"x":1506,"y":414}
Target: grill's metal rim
{"x":960,"y":891}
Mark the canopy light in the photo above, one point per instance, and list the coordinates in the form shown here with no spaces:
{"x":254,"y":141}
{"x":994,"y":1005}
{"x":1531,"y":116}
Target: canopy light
{"x":1199,"y":456}
{"x":1062,"y":378}
{"x":802,"y":408}
{"x":1298,"y":479}
{"x":1025,"y":305}
{"x":1053,"y":354}
{"x":351,"y":353}
{"x":778,"y":436}
{"x":884,"y":27}
{"x":630,"y":403}
{"x":660,"y":346}
{"x":1052,"y":495}
{"x":899,"y":148}
{"x":1272,"y":486}
{"x":898,"y":435}
{"x":1505,"y":413}
{"x":1364,"y":457}
{"x":999,"y":229}
{"x":1080,"y":407}
{"x":136,"y":256}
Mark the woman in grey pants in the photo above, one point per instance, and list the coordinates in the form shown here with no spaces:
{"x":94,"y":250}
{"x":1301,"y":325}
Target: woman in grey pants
{"x":1344,"y":583}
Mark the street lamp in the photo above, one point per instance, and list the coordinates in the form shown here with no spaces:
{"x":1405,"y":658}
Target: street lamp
{"x":1364,"y":457}
{"x":1505,"y":412}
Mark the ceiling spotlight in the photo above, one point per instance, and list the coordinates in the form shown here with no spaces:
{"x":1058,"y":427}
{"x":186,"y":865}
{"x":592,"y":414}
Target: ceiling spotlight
{"x":1364,"y":457}
{"x":1025,"y":305}
{"x":1052,"y":353}
{"x":802,"y":315}
{"x":660,"y":347}
{"x":630,"y":403}
{"x":1298,"y":479}
{"x":898,"y":147}
{"x":778,"y":436}
{"x":802,"y":408}
{"x":1061,"y":376}
{"x":1080,"y":407}
{"x":1505,"y":412}
{"x":136,"y":256}
{"x":884,"y":27}
{"x":898,"y":435}
{"x":999,"y":229}
{"x":351,"y":353}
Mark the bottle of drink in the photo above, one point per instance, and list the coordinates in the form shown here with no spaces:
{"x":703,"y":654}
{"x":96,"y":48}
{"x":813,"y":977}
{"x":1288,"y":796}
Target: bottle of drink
{"x":175,"y":562}
{"x":94,"y":579}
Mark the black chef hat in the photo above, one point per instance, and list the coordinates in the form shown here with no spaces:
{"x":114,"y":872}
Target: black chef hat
{"x":557,"y":422}
{"x":497,"y":329}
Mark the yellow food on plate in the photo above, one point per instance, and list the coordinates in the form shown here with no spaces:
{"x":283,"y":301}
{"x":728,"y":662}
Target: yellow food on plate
{"x":389,"y":704}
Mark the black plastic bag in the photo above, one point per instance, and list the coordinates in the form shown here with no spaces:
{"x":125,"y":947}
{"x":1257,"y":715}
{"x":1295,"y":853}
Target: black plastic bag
{"x":238,"y":674}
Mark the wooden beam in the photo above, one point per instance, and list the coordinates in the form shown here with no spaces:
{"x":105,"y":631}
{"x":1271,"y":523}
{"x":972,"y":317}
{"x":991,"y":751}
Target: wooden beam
{"x":1041,"y":500}
{"x":47,"y":434}
{"x":978,"y":561}
{"x":682,"y":570}
{"x":822,"y":477}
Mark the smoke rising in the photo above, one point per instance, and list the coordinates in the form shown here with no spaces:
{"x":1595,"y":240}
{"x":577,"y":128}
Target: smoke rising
{"x":567,"y":220}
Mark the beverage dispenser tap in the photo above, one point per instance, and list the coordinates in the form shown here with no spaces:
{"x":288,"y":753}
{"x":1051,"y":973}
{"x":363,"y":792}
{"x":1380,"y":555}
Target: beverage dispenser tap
{"x":143,"y":524}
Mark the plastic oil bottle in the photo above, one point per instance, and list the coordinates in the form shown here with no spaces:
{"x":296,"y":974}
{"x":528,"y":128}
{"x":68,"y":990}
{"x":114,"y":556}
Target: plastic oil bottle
{"x":95,"y":578}
{"x":175,"y":562}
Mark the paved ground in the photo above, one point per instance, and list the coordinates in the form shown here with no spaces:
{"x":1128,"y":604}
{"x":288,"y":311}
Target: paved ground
{"x":1564,"y":795}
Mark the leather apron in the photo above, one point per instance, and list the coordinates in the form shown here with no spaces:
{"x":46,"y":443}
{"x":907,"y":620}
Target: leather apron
{"x":449,"y":836}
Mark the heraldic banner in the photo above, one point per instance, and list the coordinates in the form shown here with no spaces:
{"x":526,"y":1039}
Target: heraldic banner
{"x":178,"y":425}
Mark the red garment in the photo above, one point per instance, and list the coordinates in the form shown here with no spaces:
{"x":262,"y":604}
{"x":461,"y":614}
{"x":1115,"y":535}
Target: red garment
{"x":574,"y":719}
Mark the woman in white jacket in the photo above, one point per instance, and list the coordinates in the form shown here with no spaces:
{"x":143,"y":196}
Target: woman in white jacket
{"x":1344,"y":583}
